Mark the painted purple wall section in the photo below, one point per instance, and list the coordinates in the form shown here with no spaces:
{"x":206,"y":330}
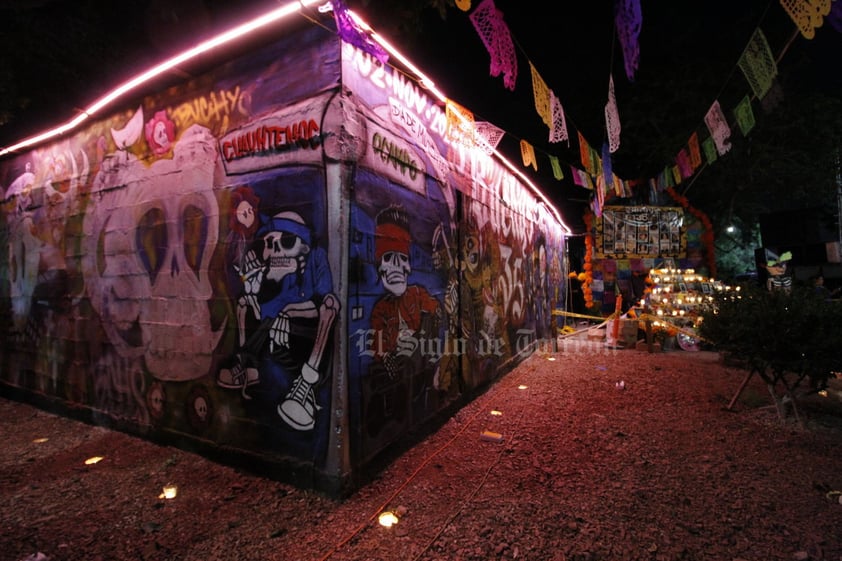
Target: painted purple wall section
{"x":284,"y":259}
{"x":456,"y":267}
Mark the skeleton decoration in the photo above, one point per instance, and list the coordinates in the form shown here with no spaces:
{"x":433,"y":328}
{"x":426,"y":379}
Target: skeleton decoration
{"x":398,"y":317}
{"x":298,"y":407}
{"x":284,"y":252}
{"x":394,"y":271}
{"x":285,"y":278}
{"x":478,"y":255}
{"x":443,"y":260}
{"x":776,"y":266}
{"x":150,"y":233}
{"x":156,"y":400}
{"x":199,"y":408}
{"x":392,"y":251}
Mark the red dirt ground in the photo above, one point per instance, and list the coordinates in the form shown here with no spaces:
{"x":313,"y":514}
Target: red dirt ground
{"x":660,"y":470}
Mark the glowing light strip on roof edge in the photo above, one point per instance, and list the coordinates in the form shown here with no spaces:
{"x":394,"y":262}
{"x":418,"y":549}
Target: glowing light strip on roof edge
{"x":231,"y":35}
{"x":157,"y":70}
{"x":427,"y":83}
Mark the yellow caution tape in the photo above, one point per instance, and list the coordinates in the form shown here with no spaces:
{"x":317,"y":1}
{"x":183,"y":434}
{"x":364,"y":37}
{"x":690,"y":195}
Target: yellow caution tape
{"x":572,"y":315}
{"x":640,"y":318}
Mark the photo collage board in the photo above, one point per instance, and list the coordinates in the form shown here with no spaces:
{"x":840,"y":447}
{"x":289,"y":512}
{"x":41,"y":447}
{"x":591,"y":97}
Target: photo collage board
{"x":640,"y":231}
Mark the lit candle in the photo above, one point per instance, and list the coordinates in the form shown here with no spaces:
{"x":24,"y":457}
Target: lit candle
{"x":170,"y":491}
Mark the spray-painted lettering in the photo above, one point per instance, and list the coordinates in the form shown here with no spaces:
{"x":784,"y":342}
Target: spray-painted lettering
{"x":392,"y":153}
{"x":405,"y":118}
{"x":264,"y":139}
{"x":402,"y":88}
{"x":213,"y":110}
{"x":510,"y":284}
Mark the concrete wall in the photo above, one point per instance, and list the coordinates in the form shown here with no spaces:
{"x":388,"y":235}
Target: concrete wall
{"x":285,"y":260}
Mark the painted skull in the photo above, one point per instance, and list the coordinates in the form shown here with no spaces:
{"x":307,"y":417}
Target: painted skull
{"x":200,"y":405}
{"x":394,"y":271}
{"x":283,"y":251}
{"x":150,"y":233}
{"x":471,"y":252}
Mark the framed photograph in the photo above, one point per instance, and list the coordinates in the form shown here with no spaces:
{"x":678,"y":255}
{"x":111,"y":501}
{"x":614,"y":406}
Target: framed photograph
{"x":706,"y":288}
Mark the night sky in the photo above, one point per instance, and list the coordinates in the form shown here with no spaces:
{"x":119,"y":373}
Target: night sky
{"x":62,"y":54}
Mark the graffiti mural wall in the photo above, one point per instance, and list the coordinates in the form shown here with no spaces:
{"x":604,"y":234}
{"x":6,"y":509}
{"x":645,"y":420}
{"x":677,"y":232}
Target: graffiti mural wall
{"x":454,"y":267}
{"x":167,"y":267}
{"x":285,"y":258}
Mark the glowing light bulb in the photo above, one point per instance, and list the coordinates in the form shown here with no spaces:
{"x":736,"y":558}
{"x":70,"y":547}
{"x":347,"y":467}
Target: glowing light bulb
{"x":169,"y":492}
{"x":387,"y":519}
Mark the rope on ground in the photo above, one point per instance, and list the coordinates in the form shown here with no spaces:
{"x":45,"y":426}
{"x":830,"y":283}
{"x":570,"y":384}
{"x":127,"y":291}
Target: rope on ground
{"x":479,"y":486}
{"x":417,"y":470}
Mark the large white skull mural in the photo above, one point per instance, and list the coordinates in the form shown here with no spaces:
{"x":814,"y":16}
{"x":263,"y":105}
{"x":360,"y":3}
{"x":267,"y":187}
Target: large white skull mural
{"x":150,"y":232}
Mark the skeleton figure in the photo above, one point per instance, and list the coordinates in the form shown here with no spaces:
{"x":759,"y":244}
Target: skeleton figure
{"x":397,"y":316}
{"x":285,"y":279}
{"x":480,"y":253}
{"x":776,"y":266}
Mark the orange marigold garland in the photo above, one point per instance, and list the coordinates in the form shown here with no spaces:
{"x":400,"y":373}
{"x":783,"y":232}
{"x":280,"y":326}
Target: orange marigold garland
{"x":650,"y":283}
{"x":707,"y":235}
{"x":587,"y":291}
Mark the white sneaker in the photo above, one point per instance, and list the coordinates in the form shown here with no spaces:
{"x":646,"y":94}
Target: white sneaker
{"x":299,"y":407}
{"x":238,"y":376}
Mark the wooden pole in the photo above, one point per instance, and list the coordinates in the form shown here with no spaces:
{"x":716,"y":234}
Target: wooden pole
{"x":615,"y":331}
{"x":740,"y":390}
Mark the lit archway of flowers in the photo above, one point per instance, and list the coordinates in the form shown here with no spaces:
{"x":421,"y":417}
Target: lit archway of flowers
{"x":707,"y":235}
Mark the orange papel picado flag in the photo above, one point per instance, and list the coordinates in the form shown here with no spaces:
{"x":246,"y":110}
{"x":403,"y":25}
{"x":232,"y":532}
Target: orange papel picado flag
{"x":527,"y":152}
